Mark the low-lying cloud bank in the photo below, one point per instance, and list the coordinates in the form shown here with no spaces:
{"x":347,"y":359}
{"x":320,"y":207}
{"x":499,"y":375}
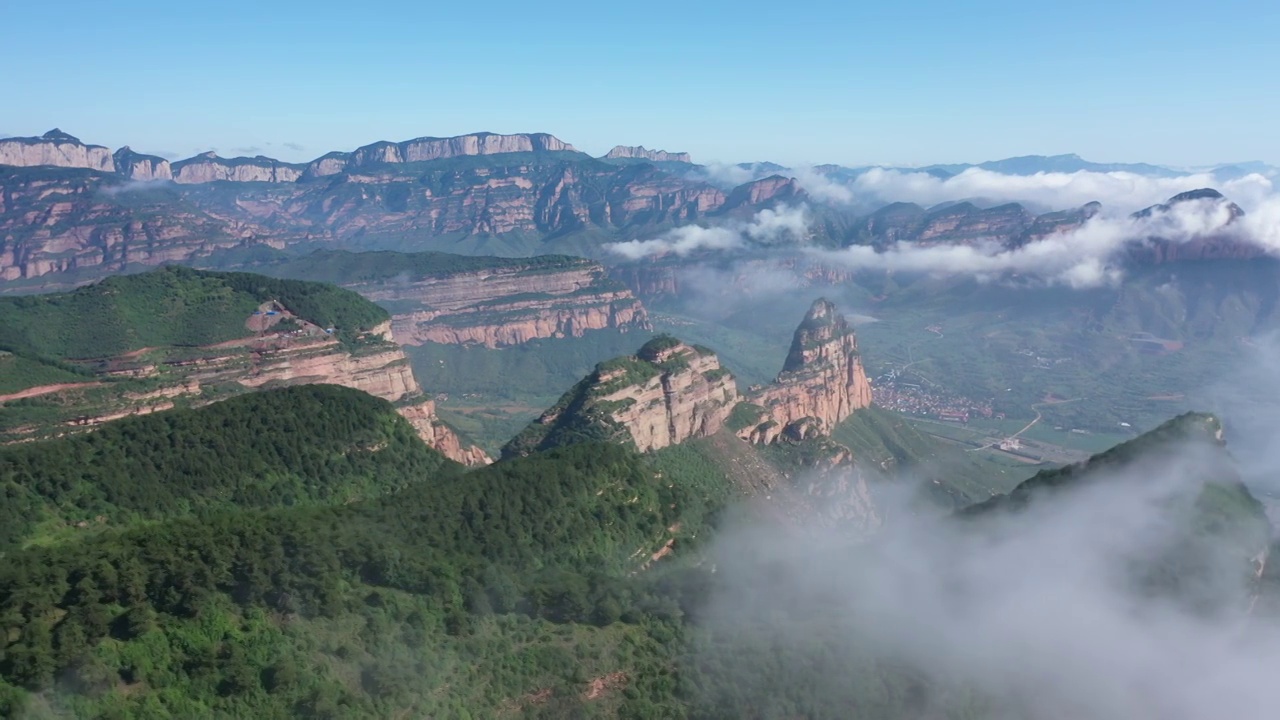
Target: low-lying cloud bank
{"x":1040,"y":616}
{"x":1088,"y":256}
{"x":786,"y":224}
{"x":1119,"y":192}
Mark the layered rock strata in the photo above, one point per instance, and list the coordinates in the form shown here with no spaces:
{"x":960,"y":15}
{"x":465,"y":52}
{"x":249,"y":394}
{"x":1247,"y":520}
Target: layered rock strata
{"x":667,"y":393}
{"x":509,"y":305}
{"x":822,"y":381}
{"x":144,"y":168}
{"x":208,"y":167}
{"x":55,"y":149}
{"x":640,"y":152}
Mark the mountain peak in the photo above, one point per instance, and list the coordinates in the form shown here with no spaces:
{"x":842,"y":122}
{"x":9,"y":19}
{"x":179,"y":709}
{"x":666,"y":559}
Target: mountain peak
{"x":59,"y":136}
{"x":822,"y":325}
{"x":822,"y":381}
{"x":642,"y":153}
{"x":1199,"y":194}
{"x":666,"y":393}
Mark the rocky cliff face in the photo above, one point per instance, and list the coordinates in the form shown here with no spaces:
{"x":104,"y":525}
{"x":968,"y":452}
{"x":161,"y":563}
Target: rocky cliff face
{"x":385,"y":374}
{"x":509,"y":305}
{"x":55,"y":149}
{"x":381,"y":370}
{"x":773,"y":189}
{"x":329,"y":164}
{"x":639,"y":152}
{"x":422,"y":415}
{"x":430,"y":148}
{"x":136,"y":166}
{"x":208,"y":167}
{"x":822,"y":381}
{"x":667,"y":393}
{"x":529,"y":190}
{"x":56,"y":220}
{"x":964,"y":223}
{"x":1012,"y":226}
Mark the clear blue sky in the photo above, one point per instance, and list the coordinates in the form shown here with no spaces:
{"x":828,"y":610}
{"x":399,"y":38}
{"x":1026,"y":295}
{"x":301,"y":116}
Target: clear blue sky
{"x":842,"y":81}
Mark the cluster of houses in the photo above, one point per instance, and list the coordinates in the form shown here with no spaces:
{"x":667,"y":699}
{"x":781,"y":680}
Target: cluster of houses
{"x":912,"y":399}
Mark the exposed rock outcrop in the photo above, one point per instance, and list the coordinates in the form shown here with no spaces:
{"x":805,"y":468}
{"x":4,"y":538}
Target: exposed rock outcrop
{"x":640,"y":152}
{"x":772,"y":189}
{"x":136,"y":166}
{"x":667,"y":393}
{"x":252,"y":363}
{"x":433,"y":431}
{"x":208,"y":167}
{"x":509,"y":304}
{"x":531,"y":189}
{"x":432,"y":148}
{"x":328,"y":164}
{"x":57,"y":220}
{"x":56,"y":149}
{"x":822,"y":381}
{"x":963,"y":223}
{"x":385,"y":374}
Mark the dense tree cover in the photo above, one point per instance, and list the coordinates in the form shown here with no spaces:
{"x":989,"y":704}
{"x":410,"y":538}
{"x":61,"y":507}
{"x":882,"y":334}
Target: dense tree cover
{"x":547,"y":539}
{"x":298,"y":445}
{"x":885,"y":442}
{"x":512,"y":590}
{"x":19,"y":373}
{"x":1186,"y":429}
{"x":168,"y":306}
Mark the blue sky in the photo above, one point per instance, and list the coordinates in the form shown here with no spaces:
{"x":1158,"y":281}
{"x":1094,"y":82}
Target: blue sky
{"x":849,"y":82}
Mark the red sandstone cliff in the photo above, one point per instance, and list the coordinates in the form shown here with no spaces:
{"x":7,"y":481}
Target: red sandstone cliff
{"x":667,"y":393}
{"x":509,"y":305}
{"x":822,"y":381}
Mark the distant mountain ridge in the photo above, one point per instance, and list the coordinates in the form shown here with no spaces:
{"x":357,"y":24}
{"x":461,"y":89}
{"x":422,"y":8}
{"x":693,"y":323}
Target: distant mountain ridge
{"x":60,"y":149}
{"x":68,"y":209}
{"x":639,"y":152}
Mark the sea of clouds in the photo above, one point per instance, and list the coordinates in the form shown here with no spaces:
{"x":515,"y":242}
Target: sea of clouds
{"x":1087,"y":256}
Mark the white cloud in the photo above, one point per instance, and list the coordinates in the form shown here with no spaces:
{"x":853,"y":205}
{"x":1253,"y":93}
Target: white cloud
{"x":1119,"y":192}
{"x":134,"y":186}
{"x":1041,"y":614}
{"x":787,"y":224}
{"x":729,"y":176}
{"x":822,"y":188}
{"x":1085,"y":257}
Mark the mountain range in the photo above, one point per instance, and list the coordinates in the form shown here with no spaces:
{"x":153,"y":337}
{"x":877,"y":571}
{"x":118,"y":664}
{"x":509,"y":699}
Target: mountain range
{"x":70,"y":210}
{"x":237,"y":494}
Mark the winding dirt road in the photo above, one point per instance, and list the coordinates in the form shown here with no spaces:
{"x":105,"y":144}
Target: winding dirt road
{"x":45,"y":390}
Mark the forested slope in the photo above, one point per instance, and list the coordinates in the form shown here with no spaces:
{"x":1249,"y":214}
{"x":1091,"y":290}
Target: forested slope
{"x":172,"y":305}
{"x":535,"y":587}
{"x":304,"y":445}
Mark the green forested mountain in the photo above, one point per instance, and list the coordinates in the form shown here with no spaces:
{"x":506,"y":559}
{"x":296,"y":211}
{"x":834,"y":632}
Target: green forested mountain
{"x":169,"y":306}
{"x":520,"y":569}
{"x":304,"y":445}
{"x":529,"y":588}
